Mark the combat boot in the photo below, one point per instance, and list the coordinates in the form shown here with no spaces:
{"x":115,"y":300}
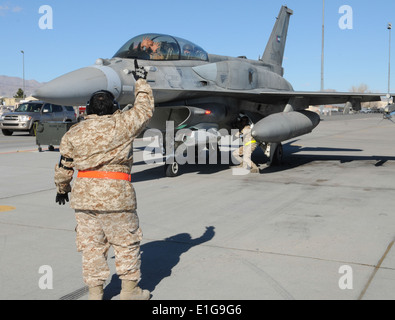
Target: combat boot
{"x":254,"y":170}
{"x":96,"y":293}
{"x":130,"y":291}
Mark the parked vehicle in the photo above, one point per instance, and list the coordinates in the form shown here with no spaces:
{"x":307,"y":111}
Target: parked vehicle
{"x":29,"y":114}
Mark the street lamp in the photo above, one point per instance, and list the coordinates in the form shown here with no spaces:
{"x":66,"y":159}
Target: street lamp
{"x":389,"y":27}
{"x":23,"y":64}
{"x":322,"y":48}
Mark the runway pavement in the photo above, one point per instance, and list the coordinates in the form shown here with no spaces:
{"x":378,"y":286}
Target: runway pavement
{"x":321,"y":226}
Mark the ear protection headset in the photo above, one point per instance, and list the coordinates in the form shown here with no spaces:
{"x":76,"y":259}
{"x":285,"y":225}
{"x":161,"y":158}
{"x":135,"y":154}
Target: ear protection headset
{"x":241,"y":116}
{"x":115,"y":103}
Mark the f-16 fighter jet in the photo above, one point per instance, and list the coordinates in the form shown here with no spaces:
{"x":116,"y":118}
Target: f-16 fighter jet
{"x":197,"y":90}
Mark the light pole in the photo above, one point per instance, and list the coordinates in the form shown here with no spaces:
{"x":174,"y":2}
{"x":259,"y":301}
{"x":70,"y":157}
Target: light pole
{"x":322,"y":48}
{"x":23,"y":65}
{"x":389,"y":64}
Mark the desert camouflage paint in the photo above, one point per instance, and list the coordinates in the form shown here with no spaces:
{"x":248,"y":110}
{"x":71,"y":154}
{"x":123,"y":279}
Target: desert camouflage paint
{"x":105,"y":209}
{"x":104,"y":143}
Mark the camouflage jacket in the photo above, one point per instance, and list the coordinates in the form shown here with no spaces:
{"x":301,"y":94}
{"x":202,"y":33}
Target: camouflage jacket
{"x":247,"y":137}
{"x":104,"y":143}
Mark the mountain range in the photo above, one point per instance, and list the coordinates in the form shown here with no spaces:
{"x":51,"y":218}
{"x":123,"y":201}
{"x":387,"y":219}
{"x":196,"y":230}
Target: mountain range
{"x":10,"y":85}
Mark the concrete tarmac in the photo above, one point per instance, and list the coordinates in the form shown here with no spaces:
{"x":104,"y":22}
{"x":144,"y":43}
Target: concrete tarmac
{"x":321,"y":226}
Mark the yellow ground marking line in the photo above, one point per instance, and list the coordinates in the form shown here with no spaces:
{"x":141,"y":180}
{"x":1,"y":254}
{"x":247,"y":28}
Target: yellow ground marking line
{"x":6,"y":208}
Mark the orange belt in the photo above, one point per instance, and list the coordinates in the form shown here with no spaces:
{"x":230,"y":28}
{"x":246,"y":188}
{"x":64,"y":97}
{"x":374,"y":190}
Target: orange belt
{"x":104,"y":175}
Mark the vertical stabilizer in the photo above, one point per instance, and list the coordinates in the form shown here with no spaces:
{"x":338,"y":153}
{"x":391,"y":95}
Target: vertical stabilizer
{"x":275,"y":47}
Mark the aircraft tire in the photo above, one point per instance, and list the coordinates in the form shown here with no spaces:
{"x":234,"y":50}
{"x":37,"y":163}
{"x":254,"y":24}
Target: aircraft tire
{"x":172,"y":169}
{"x":277,"y":156}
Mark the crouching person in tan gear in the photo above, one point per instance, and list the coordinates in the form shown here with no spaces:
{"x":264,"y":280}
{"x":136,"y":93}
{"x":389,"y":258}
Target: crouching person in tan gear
{"x":243,"y":154}
{"x":103,"y":197}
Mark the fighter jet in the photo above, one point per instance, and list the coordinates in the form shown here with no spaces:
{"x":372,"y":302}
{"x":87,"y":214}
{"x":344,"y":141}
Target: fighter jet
{"x":198,"y":90}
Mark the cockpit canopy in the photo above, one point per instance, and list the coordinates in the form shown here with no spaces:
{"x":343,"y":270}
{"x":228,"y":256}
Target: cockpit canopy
{"x":151,"y":46}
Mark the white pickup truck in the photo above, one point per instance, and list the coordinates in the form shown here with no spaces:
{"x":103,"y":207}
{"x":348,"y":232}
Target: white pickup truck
{"x":29,"y":114}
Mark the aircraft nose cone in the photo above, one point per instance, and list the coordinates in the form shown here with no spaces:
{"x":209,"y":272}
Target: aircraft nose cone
{"x":75,"y":88}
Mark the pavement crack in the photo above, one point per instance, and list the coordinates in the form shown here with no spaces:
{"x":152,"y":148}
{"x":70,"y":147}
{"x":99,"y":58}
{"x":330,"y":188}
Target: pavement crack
{"x":35,"y":227}
{"x":377,"y":267}
{"x":27,"y":193}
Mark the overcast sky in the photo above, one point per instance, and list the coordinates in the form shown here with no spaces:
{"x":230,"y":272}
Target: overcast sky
{"x":356,"y":49}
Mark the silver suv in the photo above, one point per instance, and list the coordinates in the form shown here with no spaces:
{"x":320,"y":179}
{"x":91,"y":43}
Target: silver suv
{"x":29,"y":114}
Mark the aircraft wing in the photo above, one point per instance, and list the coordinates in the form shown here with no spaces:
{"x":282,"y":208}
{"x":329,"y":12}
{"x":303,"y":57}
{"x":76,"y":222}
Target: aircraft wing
{"x":274,"y":97}
{"x":322,"y":98}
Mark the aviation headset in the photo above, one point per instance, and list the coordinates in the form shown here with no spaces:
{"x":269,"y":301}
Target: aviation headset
{"x":241,"y":116}
{"x":115,"y":103}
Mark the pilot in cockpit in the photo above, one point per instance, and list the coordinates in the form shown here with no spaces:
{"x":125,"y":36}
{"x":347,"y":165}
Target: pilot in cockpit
{"x":152,"y":48}
{"x":187,"y":50}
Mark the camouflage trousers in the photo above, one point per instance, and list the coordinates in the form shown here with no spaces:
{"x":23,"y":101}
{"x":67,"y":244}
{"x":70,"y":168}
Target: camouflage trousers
{"x":96,"y":232}
{"x":243,"y":155}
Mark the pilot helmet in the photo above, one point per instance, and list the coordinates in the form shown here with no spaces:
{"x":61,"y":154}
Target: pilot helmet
{"x":187,"y":48}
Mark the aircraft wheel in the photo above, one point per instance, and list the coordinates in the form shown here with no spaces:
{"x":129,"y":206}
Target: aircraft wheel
{"x":276,"y":155}
{"x":172,"y":169}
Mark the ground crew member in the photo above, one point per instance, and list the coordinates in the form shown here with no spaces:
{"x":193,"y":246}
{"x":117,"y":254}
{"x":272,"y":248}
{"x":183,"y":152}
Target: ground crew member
{"x":100,"y":148}
{"x":244,"y":152}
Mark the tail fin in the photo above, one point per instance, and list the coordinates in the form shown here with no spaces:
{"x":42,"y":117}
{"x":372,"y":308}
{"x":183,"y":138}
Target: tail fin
{"x":275,"y":47}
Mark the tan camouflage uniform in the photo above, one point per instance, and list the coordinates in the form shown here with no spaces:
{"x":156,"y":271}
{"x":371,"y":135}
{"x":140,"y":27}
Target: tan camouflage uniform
{"x":105,"y":209}
{"x":243,"y":154}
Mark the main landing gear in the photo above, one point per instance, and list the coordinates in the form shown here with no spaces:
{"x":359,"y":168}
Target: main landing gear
{"x":274,"y":151}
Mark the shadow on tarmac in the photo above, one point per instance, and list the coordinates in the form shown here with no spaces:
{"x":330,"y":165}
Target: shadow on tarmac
{"x":158,"y":258}
{"x":291,"y":159}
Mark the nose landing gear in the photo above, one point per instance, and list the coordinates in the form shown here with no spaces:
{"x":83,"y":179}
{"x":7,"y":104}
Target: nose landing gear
{"x":172,"y":169}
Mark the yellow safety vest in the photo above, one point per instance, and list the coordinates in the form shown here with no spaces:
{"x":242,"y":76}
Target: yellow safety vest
{"x":250,"y":142}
